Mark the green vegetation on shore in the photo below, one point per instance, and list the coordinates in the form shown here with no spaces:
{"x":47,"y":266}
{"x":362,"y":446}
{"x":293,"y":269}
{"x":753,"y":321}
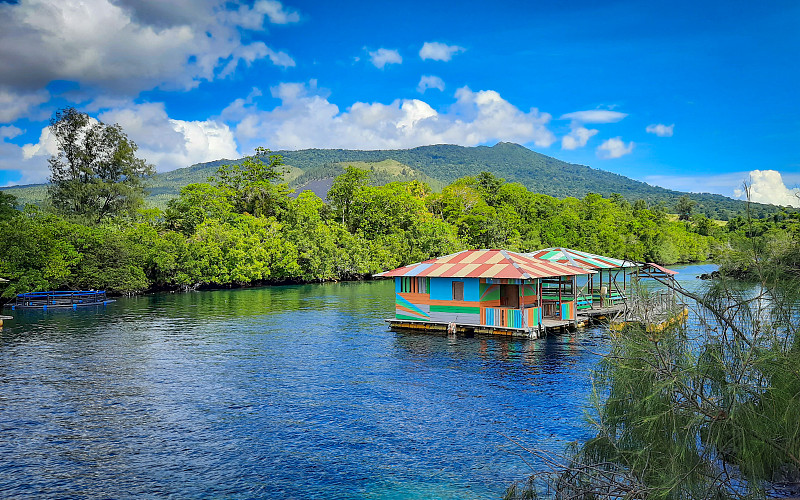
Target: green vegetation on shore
{"x":706,"y":409}
{"x":243,"y":228}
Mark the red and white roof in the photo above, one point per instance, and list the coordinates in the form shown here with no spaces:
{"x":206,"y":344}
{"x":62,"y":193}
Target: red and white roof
{"x":486,"y":264}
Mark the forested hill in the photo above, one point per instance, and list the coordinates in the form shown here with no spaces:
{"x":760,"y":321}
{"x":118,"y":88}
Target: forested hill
{"x":515,"y":163}
{"x":441,"y":164}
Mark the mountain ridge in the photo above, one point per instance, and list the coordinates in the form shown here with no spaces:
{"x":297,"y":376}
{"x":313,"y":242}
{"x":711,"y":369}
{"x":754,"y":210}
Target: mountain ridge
{"x":445,"y":163}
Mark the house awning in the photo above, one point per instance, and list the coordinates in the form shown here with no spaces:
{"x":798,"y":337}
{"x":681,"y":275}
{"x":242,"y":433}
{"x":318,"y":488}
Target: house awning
{"x":657,"y":271}
{"x":486,"y":264}
{"x":580,"y":259}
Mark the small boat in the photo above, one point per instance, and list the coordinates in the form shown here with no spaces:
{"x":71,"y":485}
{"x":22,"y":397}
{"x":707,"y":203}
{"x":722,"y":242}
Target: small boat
{"x":71,"y":299}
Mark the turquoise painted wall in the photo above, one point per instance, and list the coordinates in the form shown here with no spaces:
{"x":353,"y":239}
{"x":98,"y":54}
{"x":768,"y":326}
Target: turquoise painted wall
{"x":442,"y":289}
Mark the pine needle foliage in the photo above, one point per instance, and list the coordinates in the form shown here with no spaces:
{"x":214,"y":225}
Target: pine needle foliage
{"x":708,"y":409}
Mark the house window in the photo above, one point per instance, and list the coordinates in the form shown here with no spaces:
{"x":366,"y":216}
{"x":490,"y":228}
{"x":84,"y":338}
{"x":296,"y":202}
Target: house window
{"x":458,"y":290}
{"x":509,"y":296}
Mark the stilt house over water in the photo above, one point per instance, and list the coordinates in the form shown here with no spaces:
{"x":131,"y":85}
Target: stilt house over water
{"x":607,"y":288}
{"x":485,"y":291}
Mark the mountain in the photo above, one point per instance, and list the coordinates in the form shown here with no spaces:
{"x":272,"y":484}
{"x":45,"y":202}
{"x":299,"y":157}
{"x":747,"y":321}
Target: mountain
{"x":441,"y":164}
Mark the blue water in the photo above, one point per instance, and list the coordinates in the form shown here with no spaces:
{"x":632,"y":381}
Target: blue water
{"x":277,"y":392}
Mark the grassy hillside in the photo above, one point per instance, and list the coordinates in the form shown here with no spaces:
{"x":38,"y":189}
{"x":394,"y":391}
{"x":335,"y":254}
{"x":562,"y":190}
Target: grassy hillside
{"x":441,"y":164}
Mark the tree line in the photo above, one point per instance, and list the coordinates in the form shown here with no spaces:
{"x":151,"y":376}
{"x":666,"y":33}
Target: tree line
{"x":242,"y":227}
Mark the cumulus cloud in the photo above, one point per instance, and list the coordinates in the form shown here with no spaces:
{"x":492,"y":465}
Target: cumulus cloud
{"x":12,"y":158}
{"x":165,"y":142}
{"x":9,"y":132}
{"x":429,"y":82}
{"x":767,"y":186}
{"x":577,"y":137}
{"x":276,"y":12}
{"x":170,"y":143}
{"x":126,"y":46}
{"x":594,"y":116}
{"x":438,"y":51}
{"x":14,"y":105}
{"x":305,"y":118}
{"x":614,"y":148}
{"x":381,"y":57}
{"x":660,"y":129}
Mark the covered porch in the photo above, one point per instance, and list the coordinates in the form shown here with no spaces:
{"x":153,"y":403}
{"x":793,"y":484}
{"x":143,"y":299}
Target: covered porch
{"x":607,"y":288}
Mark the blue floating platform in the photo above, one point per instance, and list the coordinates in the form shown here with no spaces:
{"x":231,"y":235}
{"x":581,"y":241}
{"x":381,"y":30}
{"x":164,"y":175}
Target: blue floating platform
{"x":60,"y":299}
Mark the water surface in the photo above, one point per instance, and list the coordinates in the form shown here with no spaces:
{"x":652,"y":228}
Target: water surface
{"x":277,"y":392}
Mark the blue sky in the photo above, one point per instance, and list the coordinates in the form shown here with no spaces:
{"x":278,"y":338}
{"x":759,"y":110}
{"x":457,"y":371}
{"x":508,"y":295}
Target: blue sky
{"x":694,"y":96}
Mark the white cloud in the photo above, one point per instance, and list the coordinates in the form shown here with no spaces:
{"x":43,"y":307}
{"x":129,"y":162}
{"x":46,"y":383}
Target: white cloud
{"x":170,"y":143}
{"x":12,"y":158}
{"x":594,"y":116}
{"x":767,"y":186}
{"x":614,"y":148}
{"x":577,"y":137}
{"x":429,"y":82}
{"x":14,"y":105}
{"x":381,"y":57}
{"x":306,"y":118}
{"x":125,"y":46}
{"x":253,"y":52}
{"x":277,"y":13}
{"x":438,"y":51}
{"x":9,"y":132}
{"x":723,"y":184}
{"x":660,"y":129}
{"x":165,"y":142}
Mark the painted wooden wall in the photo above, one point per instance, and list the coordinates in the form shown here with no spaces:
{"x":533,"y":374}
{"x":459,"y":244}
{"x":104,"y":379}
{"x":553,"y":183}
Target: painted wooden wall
{"x":431,"y":299}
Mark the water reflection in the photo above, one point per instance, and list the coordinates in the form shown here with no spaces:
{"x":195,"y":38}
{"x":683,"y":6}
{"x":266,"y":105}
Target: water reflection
{"x":295,"y":391}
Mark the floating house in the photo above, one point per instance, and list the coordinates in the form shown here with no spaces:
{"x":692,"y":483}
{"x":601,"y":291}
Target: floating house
{"x":486,"y":291}
{"x":606,"y":288}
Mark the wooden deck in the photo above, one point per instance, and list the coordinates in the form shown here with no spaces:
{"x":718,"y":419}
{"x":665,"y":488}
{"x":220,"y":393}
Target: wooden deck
{"x":432,"y":326}
{"x":595,"y":313}
{"x":549,"y":325}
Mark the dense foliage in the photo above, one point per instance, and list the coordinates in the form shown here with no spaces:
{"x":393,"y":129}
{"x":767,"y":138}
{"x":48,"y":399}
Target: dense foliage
{"x":242,"y":227}
{"x":95,"y":173}
{"x":707,"y":409}
{"x":439,"y":165}
{"x":772,"y":242}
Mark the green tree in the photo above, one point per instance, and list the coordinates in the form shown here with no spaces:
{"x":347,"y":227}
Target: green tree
{"x":8,"y":205}
{"x":95,"y":173}
{"x":344,"y":190}
{"x":488,"y":185}
{"x":197,"y":203}
{"x":252,"y":184}
{"x":685,"y":207}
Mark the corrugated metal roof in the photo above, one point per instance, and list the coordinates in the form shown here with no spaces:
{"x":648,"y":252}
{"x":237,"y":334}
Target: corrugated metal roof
{"x":577,"y":258}
{"x":486,"y":264}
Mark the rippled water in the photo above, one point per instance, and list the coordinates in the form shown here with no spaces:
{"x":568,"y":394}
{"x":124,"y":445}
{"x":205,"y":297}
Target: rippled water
{"x":279,"y":392}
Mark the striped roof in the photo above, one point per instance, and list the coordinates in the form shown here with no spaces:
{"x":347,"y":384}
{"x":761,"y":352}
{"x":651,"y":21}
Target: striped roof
{"x":577,"y":258}
{"x":486,"y":264}
{"x":656,"y":270}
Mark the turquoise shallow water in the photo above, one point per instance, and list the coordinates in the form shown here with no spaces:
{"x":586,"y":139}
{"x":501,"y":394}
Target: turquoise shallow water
{"x":277,"y":392}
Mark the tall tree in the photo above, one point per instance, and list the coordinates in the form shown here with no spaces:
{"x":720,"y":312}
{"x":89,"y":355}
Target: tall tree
{"x":95,"y":173}
{"x":8,"y":204}
{"x":685,"y":207}
{"x":252,"y":185}
{"x":343,"y":192}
